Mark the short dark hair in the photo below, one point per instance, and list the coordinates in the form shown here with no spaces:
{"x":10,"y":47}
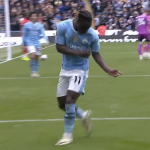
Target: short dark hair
{"x":31,"y":13}
{"x":24,"y":15}
{"x":84,"y":16}
{"x":102,"y":22}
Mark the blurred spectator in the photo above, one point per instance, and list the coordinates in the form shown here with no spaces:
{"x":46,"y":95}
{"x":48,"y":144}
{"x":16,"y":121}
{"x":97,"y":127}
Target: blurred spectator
{"x":2,"y":18}
{"x":119,"y":14}
{"x":102,"y":28}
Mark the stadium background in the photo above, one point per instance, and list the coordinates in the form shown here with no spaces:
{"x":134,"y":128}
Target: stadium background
{"x":29,"y":115}
{"x":115,"y":14}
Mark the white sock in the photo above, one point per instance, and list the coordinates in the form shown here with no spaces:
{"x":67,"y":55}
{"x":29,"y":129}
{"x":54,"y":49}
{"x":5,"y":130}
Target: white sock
{"x":140,"y":57}
{"x":68,"y":135}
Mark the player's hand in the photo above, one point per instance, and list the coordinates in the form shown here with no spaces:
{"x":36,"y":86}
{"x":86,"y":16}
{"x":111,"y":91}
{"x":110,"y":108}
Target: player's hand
{"x":85,"y":54}
{"x":114,"y":72}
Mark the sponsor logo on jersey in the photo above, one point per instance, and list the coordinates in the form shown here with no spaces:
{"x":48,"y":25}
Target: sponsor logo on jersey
{"x":84,"y":41}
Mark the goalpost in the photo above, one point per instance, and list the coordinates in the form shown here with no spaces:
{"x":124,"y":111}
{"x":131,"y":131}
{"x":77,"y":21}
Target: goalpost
{"x":7,"y":25}
{"x":5,"y":33}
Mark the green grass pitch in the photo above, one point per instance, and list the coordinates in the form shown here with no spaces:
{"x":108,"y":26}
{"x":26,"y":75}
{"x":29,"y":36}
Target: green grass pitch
{"x":23,"y":98}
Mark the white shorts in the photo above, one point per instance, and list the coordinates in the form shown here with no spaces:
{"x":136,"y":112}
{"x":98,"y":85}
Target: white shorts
{"x":73,"y":80}
{"x":33,"y":49}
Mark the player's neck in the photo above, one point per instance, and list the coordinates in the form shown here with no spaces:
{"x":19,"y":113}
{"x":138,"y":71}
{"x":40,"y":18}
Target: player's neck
{"x":74,"y":25}
{"x":33,"y":22}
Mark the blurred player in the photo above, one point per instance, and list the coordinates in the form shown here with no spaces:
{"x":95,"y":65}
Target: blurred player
{"x":143,"y":27}
{"x":76,"y":40}
{"x":33,"y":31}
{"x":145,"y":51}
{"x":23,"y":21}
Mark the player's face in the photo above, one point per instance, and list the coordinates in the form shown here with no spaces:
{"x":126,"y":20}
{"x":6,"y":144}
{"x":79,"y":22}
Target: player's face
{"x":34,"y":17}
{"x":83,"y":27}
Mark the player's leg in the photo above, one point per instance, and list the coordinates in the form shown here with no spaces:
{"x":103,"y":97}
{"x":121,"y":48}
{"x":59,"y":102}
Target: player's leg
{"x":76,"y":88}
{"x":25,"y":54}
{"x":62,"y":102}
{"x":37,"y":64}
{"x":32,"y":51}
{"x":140,"y":38}
{"x":35,"y":58}
{"x":62,"y":88}
{"x":69,"y":119}
{"x":77,"y":84}
{"x":147,"y":46}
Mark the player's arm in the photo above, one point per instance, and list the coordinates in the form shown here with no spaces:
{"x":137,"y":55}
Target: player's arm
{"x":148,"y":24}
{"x":65,"y":50}
{"x":42,"y":34}
{"x":61,"y":43}
{"x":99,"y":60}
{"x":24,"y":33}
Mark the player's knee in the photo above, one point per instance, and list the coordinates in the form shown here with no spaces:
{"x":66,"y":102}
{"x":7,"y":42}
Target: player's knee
{"x":32,"y":56}
{"x":70,"y":100}
{"x":61,"y":106}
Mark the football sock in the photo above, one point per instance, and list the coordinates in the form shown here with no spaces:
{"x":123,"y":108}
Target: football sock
{"x":69,"y":118}
{"x":140,"y":49}
{"x":79,"y":111}
{"x":36,"y":66}
{"x":33,"y":65}
{"x":147,"y":47}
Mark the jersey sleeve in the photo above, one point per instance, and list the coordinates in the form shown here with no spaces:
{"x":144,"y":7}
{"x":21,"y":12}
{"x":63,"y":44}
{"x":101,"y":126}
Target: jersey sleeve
{"x":42,"y":34}
{"x":95,"y":46}
{"x":147,"y":20}
{"x":24,"y":33}
{"x":60,"y":34}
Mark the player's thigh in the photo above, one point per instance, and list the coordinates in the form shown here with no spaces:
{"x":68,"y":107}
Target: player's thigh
{"x":147,"y":38}
{"x":61,"y":102}
{"x":72,"y":97}
{"x":62,"y":87}
{"x":76,"y":88}
{"x":32,"y":51}
{"x":38,"y":52}
{"x":140,"y":38}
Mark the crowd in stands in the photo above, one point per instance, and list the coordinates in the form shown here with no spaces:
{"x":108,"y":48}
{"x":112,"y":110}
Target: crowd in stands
{"x":114,"y":14}
{"x":2,"y":20}
{"x":118,"y":14}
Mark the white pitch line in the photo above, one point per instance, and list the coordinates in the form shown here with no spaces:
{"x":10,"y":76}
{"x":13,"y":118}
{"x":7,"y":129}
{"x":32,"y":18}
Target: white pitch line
{"x":24,"y":78}
{"x":52,"y":120}
{"x":55,"y":77}
{"x":126,"y":76}
{"x":22,"y":55}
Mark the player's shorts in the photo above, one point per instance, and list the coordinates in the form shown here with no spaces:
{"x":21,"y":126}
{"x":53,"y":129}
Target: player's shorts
{"x":33,"y":49}
{"x":141,"y":37}
{"x":73,"y":80}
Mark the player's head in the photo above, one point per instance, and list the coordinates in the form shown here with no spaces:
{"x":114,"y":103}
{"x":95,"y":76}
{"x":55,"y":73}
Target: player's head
{"x":102,"y":22}
{"x":33,"y":16}
{"x":83,"y":21}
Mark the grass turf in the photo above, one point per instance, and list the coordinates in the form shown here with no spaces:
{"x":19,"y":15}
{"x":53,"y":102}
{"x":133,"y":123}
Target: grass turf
{"x":107,"y":97}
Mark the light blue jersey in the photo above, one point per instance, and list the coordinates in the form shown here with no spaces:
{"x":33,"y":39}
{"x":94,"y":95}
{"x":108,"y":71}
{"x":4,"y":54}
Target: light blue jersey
{"x":67,"y":35}
{"x":32,"y":33}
